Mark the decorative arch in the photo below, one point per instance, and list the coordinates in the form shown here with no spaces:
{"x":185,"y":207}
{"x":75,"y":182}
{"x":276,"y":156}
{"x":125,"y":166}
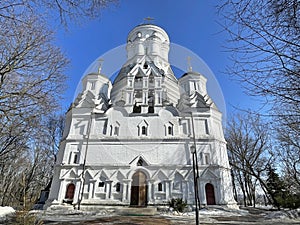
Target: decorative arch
{"x":112,"y":111}
{"x":103,"y":174}
{"x":160,"y":175}
{"x":140,"y":160}
{"x":117,"y":175}
{"x":143,"y":169}
{"x":88,"y":175}
{"x":177,"y":184}
{"x":139,"y":189}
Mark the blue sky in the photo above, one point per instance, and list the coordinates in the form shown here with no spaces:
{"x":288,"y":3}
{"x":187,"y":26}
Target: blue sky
{"x":191,"y":24}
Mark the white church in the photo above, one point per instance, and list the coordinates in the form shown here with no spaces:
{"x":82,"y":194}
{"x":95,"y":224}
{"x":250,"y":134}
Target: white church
{"x":131,"y":141}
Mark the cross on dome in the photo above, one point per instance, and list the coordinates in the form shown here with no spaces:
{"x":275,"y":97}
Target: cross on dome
{"x":148,"y":19}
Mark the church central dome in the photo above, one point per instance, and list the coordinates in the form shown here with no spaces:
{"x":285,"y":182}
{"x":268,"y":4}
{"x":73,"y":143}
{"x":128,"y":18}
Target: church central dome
{"x":147,"y":39}
{"x":145,"y":30}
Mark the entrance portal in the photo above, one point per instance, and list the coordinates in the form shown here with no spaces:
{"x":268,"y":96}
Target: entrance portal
{"x":138,"y":189}
{"x":210,"y":194}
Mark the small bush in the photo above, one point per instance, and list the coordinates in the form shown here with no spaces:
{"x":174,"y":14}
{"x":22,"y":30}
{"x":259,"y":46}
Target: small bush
{"x":23,"y":218}
{"x":177,"y":204}
{"x":287,"y":200}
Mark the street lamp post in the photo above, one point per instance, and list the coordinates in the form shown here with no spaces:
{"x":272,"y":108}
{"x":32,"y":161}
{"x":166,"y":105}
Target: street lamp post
{"x":82,"y":183}
{"x":196,"y":192}
{"x":193,"y":150}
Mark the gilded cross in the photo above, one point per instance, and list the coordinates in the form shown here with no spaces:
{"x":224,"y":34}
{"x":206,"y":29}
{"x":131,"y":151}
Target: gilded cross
{"x":190,"y":69}
{"x":100,"y":65}
{"x":149,"y":19}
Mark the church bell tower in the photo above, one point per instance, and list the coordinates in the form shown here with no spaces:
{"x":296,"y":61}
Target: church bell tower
{"x":146,"y":81}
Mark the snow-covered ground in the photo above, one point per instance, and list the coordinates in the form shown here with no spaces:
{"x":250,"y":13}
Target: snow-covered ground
{"x":206,"y":214}
{"x":5,"y":212}
{"x":284,"y":214}
{"x":211,"y":215}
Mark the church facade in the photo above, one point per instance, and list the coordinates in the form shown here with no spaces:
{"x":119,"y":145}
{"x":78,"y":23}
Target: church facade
{"x":129,"y":142}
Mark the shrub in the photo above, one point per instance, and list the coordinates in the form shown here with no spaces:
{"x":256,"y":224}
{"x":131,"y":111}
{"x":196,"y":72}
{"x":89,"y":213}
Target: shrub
{"x":23,"y":218}
{"x":177,"y":204}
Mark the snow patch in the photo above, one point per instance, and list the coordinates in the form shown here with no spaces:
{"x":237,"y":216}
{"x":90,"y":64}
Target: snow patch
{"x":6,"y":211}
{"x":206,"y":212}
{"x":291,"y":214}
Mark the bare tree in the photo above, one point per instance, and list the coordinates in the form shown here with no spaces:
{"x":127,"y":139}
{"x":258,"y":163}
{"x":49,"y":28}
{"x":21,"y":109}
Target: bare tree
{"x":264,"y":42}
{"x":65,"y":11}
{"x":31,"y":76}
{"x":288,"y":150}
{"x":249,"y":154}
{"x":32,"y":81}
{"x":27,"y":168}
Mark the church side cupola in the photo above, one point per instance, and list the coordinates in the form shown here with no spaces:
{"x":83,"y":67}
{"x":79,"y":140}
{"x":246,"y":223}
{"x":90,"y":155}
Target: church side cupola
{"x":194,"y":96}
{"x":191,"y":82}
{"x":97,"y":83}
{"x":95,"y":93}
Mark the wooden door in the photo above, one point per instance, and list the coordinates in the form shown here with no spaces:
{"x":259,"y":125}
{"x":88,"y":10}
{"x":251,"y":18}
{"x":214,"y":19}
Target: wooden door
{"x":70,"y":192}
{"x":210,"y":194}
{"x":138,"y":189}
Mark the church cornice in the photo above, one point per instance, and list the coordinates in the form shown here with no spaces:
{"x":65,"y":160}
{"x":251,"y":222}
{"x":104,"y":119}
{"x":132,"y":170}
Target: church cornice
{"x":145,"y":140}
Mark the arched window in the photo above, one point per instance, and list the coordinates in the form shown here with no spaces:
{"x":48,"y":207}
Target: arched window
{"x":160,"y":187}
{"x":118,"y":187}
{"x":144,"y":130}
{"x":116,"y":132}
{"x":170,"y":130}
{"x":137,"y":108}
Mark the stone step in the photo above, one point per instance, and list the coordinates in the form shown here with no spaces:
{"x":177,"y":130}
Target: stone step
{"x":137,"y":211}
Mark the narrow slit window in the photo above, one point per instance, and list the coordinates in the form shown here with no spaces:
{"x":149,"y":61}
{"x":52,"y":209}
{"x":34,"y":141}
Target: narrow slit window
{"x":118,"y":187}
{"x":206,"y":158}
{"x":75,"y":158}
{"x":93,"y":85}
{"x":111,"y":130}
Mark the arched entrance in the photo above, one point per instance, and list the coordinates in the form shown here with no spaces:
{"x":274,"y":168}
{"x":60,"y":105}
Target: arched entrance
{"x":210,"y":194}
{"x":138,"y":189}
{"x":70,"y":193}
